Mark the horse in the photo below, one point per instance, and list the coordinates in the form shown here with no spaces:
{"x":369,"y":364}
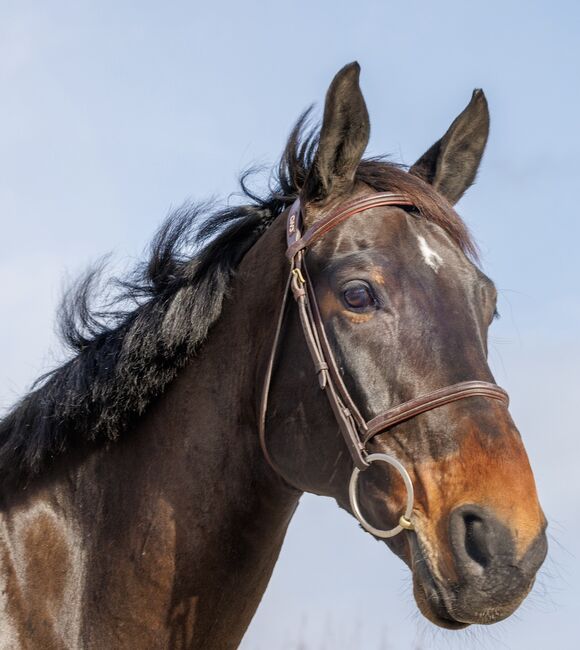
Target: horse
{"x":329,"y":337}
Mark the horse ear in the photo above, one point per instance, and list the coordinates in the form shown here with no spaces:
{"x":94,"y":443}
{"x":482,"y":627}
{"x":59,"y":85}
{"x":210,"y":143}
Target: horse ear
{"x":450,"y":165}
{"x":343,"y":137}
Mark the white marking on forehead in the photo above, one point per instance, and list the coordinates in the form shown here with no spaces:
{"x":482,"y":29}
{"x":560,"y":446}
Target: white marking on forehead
{"x":432,"y":259}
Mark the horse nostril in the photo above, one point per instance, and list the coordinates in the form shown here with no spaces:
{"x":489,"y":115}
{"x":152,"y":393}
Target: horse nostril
{"x":476,"y":540}
{"x":491,"y":575}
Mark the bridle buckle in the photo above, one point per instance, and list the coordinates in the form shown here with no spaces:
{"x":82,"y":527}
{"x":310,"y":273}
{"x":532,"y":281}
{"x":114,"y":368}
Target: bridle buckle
{"x":300,"y":279}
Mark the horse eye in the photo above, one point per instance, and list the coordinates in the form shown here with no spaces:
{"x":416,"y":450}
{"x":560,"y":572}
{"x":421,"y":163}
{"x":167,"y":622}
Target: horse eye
{"x":358,"y":296}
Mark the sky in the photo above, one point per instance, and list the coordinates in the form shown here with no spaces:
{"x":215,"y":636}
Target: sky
{"x":112,"y":113}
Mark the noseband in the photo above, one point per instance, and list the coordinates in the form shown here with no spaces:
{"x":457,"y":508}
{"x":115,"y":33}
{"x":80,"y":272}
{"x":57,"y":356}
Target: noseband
{"x":356,"y":431}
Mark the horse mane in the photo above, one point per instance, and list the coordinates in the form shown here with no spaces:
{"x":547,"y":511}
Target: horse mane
{"x":156,"y":319}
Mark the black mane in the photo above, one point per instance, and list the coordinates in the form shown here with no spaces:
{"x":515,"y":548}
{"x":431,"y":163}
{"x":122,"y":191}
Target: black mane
{"x":125,"y":357}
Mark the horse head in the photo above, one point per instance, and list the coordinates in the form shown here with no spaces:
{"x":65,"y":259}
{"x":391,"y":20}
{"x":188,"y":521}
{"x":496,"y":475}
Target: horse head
{"x":405,"y":310}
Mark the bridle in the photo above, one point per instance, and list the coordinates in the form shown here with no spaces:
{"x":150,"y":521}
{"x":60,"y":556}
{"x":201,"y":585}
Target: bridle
{"x":356,"y":431}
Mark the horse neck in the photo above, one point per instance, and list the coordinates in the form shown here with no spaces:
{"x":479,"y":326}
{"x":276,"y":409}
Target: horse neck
{"x":203,"y":503}
{"x":180,"y":522}
{"x":217,"y":514}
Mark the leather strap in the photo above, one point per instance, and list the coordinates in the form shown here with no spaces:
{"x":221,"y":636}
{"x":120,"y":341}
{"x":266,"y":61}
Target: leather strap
{"x":336,"y":392}
{"x":357,"y":432}
{"x":431,"y":401}
{"x":297,"y":241}
{"x":268,"y":378}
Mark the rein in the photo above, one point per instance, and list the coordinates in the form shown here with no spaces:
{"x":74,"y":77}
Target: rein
{"x":356,"y":431}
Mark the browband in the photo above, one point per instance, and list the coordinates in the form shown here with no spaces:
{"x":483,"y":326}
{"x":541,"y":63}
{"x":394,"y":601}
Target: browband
{"x":296,"y":241}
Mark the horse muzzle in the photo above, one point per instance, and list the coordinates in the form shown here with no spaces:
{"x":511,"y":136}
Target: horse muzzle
{"x":482,"y":579}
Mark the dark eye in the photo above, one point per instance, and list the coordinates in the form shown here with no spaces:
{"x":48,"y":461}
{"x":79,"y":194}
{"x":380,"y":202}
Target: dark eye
{"x":358,"y":296}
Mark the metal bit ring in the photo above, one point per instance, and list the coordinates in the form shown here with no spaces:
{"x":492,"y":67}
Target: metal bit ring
{"x":405,"y":519}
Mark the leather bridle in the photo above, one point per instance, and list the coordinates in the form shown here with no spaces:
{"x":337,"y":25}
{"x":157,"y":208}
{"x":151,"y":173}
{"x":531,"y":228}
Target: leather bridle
{"x":356,"y":431}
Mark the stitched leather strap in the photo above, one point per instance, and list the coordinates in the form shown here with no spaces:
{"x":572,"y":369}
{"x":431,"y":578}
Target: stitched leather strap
{"x":297,"y":241}
{"x":347,"y":416}
{"x":433,"y":400}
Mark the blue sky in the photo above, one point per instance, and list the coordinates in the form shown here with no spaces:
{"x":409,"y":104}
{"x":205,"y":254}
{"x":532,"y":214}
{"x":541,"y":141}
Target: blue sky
{"x":112,"y":112}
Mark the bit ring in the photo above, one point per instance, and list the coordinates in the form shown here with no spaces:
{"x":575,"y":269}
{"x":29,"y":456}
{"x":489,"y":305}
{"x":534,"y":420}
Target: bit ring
{"x":405,"y":522}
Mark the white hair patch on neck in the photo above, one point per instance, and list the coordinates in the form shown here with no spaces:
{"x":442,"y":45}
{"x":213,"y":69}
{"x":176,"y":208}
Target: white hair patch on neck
{"x":432,"y":259}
